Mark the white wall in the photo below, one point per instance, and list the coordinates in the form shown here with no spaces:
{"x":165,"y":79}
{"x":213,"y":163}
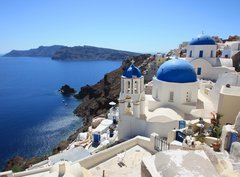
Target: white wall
{"x":226,"y":78}
{"x":226,"y":53}
{"x":206,"y":51}
{"x":229,"y":105}
{"x":208,"y":72}
{"x":130,"y":127}
{"x":161,"y":93}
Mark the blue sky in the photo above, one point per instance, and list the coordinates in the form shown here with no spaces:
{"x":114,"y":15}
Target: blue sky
{"x":134,"y":25}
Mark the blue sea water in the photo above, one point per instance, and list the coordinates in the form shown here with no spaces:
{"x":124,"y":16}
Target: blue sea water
{"x":33,"y":117}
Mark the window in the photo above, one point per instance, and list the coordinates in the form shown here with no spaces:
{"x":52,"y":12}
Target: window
{"x":211,"y":55}
{"x":238,"y":46}
{"x":188,"y":97}
{"x":171,"y":96}
{"x":129,"y":86}
{"x":200,"y":53}
{"x":135,"y":87}
{"x":199,"y":71}
{"x":190,"y":55}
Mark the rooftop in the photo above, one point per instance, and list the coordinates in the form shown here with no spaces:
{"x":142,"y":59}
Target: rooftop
{"x":180,"y":163}
{"x":70,"y":155}
{"x":132,"y":71}
{"x":127,"y":163}
{"x":202,"y":40}
{"x":233,"y":90}
{"x":176,"y":70}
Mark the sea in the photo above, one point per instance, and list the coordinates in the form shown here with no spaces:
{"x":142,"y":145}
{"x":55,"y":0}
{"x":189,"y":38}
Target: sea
{"x":34,"y":116}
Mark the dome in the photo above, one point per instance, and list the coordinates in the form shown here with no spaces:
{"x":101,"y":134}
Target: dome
{"x":132,"y":71}
{"x":203,"y":40}
{"x":176,"y":70}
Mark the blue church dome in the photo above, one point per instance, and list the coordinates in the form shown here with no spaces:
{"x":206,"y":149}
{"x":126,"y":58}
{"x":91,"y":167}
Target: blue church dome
{"x":203,"y":40}
{"x":176,"y":70}
{"x":132,"y":71}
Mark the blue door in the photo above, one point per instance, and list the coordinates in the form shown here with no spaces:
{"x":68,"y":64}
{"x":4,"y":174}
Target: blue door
{"x":182,"y":124}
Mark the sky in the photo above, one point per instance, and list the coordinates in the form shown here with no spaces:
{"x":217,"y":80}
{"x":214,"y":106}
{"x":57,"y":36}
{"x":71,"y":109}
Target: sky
{"x":145,"y":26}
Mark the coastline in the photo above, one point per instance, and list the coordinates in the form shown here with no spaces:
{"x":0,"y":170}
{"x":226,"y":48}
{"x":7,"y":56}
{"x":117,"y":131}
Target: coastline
{"x":94,"y":102}
{"x":95,"y":98}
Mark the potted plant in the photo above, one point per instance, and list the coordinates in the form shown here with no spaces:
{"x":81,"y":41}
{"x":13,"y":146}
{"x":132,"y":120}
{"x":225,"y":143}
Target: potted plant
{"x":216,"y":132}
{"x":201,"y":138}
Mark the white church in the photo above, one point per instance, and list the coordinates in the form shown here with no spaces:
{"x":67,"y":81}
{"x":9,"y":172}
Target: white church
{"x":174,"y":96}
{"x":201,"y":53}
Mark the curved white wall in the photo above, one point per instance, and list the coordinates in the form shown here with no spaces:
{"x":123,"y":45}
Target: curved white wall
{"x":209,"y":72}
{"x":184,"y":95}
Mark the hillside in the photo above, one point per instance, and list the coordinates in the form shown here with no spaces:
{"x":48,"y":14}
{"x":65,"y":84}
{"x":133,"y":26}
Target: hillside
{"x":95,"y":99}
{"x":90,"y":52}
{"x":42,"y":51}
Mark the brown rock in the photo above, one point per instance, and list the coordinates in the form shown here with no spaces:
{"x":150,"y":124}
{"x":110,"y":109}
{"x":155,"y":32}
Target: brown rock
{"x":96,"y":98}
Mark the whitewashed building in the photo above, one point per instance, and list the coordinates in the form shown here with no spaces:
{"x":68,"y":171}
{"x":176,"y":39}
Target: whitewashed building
{"x":230,"y":48}
{"x":174,"y":95}
{"x":201,"y":53}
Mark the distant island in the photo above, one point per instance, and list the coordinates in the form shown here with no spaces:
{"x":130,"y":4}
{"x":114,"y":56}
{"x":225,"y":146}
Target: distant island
{"x":59,"y":52}
{"x":42,"y":51}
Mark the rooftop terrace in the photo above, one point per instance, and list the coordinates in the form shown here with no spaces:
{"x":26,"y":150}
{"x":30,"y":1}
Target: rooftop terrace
{"x":127,"y":163}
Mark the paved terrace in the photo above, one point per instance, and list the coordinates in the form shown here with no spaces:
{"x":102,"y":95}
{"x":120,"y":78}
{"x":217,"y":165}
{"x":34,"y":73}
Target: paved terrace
{"x":127,"y":163}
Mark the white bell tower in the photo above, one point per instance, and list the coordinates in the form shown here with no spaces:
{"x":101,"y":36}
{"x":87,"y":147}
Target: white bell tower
{"x":132,"y":95}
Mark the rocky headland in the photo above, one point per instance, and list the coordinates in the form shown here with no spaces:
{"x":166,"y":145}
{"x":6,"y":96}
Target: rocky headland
{"x":67,"y":90}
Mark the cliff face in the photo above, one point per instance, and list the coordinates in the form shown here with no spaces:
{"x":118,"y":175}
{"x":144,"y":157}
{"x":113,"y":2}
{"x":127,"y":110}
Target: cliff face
{"x":95,"y":99}
{"x":42,"y":51}
{"x":236,"y":61}
{"x":89,"y":52}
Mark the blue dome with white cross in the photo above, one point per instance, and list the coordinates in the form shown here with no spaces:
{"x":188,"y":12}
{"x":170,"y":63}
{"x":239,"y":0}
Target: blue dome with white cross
{"x":203,"y":40}
{"x":132,"y":71}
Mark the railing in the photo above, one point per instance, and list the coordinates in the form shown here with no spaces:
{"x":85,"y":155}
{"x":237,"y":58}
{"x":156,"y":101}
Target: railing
{"x":160,"y":143}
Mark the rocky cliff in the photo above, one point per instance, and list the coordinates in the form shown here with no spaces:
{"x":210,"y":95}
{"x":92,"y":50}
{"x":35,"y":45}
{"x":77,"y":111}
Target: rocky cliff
{"x":95,"y":99}
{"x":236,"y":61}
{"x":90,"y":52}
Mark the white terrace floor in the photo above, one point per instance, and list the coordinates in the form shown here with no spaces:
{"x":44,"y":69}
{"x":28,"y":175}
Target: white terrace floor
{"x":130,"y":166}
